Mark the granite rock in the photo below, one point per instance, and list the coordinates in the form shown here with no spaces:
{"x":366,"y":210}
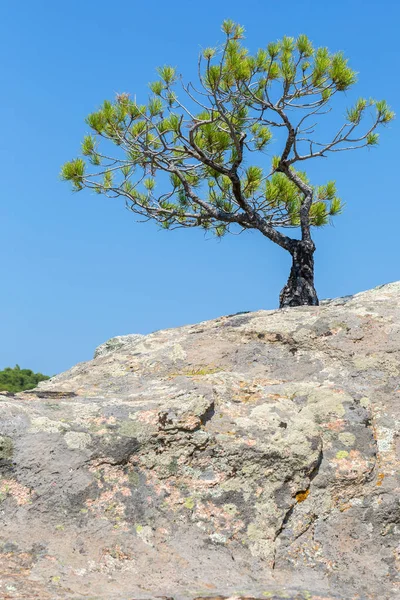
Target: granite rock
{"x":117,"y":343}
{"x":255,"y":455}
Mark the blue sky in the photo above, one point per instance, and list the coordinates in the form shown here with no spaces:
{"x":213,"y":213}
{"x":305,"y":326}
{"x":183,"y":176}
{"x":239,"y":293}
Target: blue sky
{"x":76,"y":268}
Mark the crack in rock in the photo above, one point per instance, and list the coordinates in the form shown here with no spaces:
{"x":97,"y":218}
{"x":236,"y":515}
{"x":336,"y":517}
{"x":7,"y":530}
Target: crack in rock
{"x":312,"y":475}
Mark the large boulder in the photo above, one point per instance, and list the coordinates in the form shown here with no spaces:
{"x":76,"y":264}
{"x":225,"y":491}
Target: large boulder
{"x":252,"y":455}
{"x":117,"y":343}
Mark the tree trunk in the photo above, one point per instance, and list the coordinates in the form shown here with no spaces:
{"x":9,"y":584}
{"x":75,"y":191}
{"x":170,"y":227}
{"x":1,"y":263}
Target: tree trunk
{"x":300,"y":290}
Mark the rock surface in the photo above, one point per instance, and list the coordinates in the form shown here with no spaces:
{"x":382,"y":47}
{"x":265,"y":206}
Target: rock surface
{"x":253,"y":455}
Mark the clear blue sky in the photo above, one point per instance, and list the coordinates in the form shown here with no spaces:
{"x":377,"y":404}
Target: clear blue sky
{"x":76,"y":268}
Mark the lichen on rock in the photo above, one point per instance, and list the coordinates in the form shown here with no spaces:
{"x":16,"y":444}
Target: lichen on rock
{"x":6,"y":448}
{"x":255,"y":454}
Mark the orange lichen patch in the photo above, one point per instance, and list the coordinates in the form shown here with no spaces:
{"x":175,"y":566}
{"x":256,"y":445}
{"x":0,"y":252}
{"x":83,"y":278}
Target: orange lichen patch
{"x":219,"y":518}
{"x":175,"y":498}
{"x":117,"y":552}
{"x":249,"y":442}
{"x":337,"y":425}
{"x":301,"y":496}
{"x":245,"y":391}
{"x":148,"y":416}
{"x":209,"y":586}
{"x":380,"y":479}
{"x":50,"y":558}
{"x":310,"y":554}
{"x":100,"y":432}
{"x":101,"y":423}
{"x":107,"y":504}
{"x":189,"y":422}
{"x":351,"y":466}
{"x":10,"y":487}
{"x":110,"y":473}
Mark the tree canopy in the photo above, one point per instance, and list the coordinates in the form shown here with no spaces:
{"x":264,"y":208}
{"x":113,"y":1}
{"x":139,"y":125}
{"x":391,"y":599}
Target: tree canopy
{"x":200,"y":155}
{"x":17,"y":379}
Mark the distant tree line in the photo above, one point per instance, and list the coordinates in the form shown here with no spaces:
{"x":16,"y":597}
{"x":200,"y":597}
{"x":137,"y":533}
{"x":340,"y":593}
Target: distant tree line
{"x":17,"y":379}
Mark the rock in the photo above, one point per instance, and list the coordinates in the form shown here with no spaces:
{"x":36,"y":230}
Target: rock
{"x":254,"y":455}
{"x":116,"y":343}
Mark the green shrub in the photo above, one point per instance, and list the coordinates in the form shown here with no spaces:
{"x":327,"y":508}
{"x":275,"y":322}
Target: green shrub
{"x":17,"y":379}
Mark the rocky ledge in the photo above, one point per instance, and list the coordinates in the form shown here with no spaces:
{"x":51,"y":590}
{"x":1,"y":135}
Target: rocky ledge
{"x":253,"y":455}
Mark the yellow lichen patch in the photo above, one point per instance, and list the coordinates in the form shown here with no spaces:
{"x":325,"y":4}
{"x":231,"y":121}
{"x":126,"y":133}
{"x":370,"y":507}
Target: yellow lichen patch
{"x":77,"y":440}
{"x":196,"y":371}
{"x":301,"y":496}
{"x":231,"y":509}
{"x":365,"y":402}
{"x":48,"y":425}
{"x":373,"y":361}
{"x":342,"y":454}
{"x":145,"y":533}
{"x":189,"y":503}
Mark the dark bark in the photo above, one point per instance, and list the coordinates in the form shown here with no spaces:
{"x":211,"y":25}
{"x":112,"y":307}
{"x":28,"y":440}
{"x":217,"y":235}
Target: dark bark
{"x":300,"y":290}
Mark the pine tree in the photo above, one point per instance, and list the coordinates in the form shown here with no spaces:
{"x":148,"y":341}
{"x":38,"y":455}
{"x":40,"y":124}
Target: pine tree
{"x":213,"y":146}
